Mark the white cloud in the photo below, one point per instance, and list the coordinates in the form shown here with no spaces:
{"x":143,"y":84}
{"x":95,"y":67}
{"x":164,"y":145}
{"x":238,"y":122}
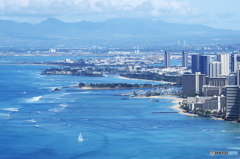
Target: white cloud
{"x":94,"y":9}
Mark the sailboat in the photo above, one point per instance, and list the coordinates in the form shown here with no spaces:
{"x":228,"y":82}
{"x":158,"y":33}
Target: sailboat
{"x":80,"y":139}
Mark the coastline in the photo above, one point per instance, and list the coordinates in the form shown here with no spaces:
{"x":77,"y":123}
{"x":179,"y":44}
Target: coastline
{"x":103,"y":88}
{"x":165,"y":82}
{"x":173,"y":100}
{"x":176,"y":100}
{"x":31,"y":64}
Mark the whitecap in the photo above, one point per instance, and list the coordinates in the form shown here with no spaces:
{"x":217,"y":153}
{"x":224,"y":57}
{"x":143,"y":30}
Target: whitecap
{"x":63,"y":105}
{"x":35,"y":99}
{"x":33,"y":121}
{"x":85,"y":92}
{"x":11,"y":109}
{"x":56,"y":110}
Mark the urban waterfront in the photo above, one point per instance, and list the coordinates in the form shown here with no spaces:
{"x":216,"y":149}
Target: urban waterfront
{"x":39,"y":123}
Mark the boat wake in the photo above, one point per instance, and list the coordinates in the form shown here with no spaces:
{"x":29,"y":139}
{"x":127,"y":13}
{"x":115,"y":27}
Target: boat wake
{"x":4,"y":114}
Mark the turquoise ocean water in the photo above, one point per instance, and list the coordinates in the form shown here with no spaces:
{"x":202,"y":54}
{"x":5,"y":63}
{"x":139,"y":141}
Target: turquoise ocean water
{"x":38,"y":123}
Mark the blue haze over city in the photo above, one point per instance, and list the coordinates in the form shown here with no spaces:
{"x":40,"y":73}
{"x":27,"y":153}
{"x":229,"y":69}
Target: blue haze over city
{"x":109,"y":79}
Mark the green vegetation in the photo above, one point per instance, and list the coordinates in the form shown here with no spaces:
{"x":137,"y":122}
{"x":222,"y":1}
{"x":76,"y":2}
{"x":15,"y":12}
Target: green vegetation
{"x":119,"y":85}
{"x":69,"y":71}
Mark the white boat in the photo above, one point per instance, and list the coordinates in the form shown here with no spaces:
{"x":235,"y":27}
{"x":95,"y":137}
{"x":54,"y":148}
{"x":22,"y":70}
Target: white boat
{"x":80,"y":139}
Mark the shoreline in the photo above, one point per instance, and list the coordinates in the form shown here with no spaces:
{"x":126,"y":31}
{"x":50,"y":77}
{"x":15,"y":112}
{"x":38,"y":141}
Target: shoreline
{"x":165,"y":82}
{"x":31,"y":64}
{"x":176,"y":100}
{"x":103,"y":88}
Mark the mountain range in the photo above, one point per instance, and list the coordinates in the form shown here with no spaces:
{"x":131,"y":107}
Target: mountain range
{"x":113,"y":31}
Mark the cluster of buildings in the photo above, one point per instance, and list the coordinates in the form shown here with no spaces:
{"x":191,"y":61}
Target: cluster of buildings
{"x":167,"y":59}
{"x":213,"y":84}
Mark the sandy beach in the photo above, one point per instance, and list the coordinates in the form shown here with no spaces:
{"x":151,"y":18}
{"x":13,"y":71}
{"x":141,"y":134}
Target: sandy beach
{"x":177,"y":106}
{"x":173,"y":100}
{"x":143,"y":80}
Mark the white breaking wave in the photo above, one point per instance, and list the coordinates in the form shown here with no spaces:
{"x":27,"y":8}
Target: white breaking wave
{"x":63,"y":105}
{"x":33,"y":121}
{"x":56,"y":110}
{"x":35,"y":99}
{"x":11,"y":109}
{"x":85,"y":92}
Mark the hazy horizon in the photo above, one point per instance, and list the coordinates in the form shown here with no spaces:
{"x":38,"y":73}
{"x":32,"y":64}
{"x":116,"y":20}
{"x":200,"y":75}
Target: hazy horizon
{"x":215,"y":13}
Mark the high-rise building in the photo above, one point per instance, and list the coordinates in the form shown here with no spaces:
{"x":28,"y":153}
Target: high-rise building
{"x":233,"y":63}
{"x":167,"y":60}
{"x":238,"y":77}
{"x":225,"y":61}
{"x":193,"y":83}
{"x":200,"y":63}
{"x":232,"y":102}
{"x":218,"y":81}
{"x":195,"y":63}
{"x":204,"y":64}
{"x":184,"y":59}
{"x":215,"y":69}
{"x":232,"y":79}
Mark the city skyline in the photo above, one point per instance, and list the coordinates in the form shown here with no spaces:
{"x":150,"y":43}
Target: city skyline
{"x":217,"y":14}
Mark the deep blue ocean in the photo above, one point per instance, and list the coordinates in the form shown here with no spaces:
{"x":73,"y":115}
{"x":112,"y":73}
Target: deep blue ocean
{"x":37,"y":123}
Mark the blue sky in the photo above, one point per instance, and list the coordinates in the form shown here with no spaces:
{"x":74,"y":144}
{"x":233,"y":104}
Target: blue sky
{"x":214,"y":13}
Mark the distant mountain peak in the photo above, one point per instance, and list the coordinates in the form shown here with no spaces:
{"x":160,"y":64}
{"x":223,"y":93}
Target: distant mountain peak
{"x":52,"y":21}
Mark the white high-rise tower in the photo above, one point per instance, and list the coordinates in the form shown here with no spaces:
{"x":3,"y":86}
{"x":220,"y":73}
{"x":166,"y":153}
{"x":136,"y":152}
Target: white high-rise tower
{"x":225,"y":62}
{"x":167,"y":60}
{"x":215,"y":69}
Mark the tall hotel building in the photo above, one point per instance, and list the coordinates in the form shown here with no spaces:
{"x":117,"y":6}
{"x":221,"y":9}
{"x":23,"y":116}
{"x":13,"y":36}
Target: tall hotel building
{"x":233,"y":102}
{"x":195,"y":63}
{"x":193,"y":83}
{"x":233,"y":63}
{"x":225,"y":61}
{"x":184,"y":59}
{"x":238,"y":77}
{"x":215,"y":69}
{"x":204,"y":64}
{"x":200,"y":63}
{"x":167,"y":59}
